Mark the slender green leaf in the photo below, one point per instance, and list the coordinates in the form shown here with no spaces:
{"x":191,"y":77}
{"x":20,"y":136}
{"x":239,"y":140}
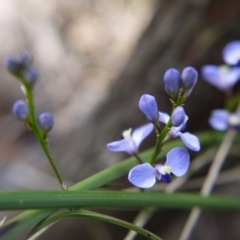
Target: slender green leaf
{"x":98,"y":216}
{"x":18,"y":224}
{"x":18,"y":200}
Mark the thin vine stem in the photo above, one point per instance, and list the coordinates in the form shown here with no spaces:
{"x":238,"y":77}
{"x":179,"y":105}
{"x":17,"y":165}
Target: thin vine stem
{"x":40,"y":136}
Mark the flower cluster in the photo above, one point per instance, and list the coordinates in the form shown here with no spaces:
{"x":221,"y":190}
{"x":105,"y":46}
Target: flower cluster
{"x":21,"y":66}
{"x":178,"y":86}
{"x":225,"y":76}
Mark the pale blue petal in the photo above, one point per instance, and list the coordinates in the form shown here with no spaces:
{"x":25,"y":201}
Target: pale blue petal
{"x":163,"y":117}
{"x":190,"y":140}
{"x":148,"y":106}
{"x":142,"y":176}
{"x":142,"y":132}
{"x":219,"y":120}
{"x":221,"y":77}
{"x":125,"y":145}
{"x":178,"y":158}
{"x":231,"y":53}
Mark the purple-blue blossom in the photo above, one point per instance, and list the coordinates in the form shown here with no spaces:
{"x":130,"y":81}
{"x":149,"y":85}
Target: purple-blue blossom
{"x":145,"y":175}
{"x":222,"y":120}
{"x":222,"y":77}
{"x":131,"y":140}
{"x":149,"y":107}
{"x":45,"y":121}
{"x":190,"y":140}
{"x":20,"y":110}
{"x":231,"y":53}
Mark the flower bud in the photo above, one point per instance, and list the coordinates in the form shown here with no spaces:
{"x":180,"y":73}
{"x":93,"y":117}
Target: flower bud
{"x":20,"y":110}
{"x":25,"y":59}
{"x":189,"y":79}
{"x":172,"y":81}
{"x":31,"y":75}
{"x":178,"y":117}
{"x":12,"y":64}
{"x":45,"y":121}
{"x":148,"y":106}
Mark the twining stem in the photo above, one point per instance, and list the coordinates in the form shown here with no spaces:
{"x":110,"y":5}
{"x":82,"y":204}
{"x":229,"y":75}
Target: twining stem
{"x":40,"y":136}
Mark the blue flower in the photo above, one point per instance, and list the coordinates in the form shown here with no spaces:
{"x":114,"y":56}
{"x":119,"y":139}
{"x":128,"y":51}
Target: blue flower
{"x":145,"y":175}
{"x":131,"y":140}
{"x":222,"y":120}
{"x":190,"y":140}
{"x":148,"y":106}
{"x":231,"y":53}
{"x":222,"y":77}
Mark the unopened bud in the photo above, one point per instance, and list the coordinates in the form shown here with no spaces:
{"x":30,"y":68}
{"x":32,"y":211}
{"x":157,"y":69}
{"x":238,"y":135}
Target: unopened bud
{"x":189,"y":79}
{"x":178,"y":117}
{"x":20,"y":110}
{"x":45,"y":121}
{"x":172,"y":81}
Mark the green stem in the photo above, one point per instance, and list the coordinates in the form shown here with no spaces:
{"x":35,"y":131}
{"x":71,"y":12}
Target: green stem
{"x":159,"y":142}
{"x":40,"y":136}
{"x":162,"y":134}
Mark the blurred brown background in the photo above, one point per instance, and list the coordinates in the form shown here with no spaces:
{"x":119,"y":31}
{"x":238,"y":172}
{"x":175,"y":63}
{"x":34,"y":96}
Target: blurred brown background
{"x":96,"y":58}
